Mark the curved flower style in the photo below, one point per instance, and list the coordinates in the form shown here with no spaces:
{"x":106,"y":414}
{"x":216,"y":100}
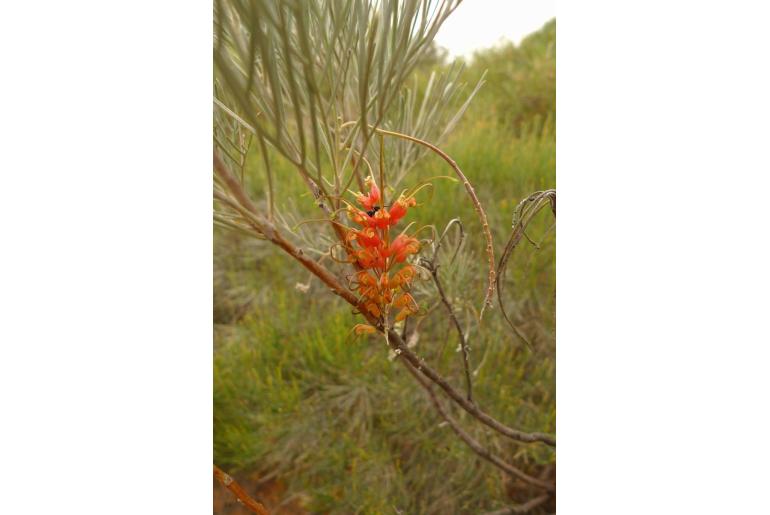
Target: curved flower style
{"x":383,"y":281}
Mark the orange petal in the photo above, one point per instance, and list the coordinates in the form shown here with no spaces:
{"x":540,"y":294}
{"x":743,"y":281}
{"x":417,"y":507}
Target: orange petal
{"x":403,"y":314}
{"x":364,"y":329}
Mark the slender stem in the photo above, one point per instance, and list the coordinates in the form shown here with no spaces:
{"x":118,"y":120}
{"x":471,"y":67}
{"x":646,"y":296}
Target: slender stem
{"x":270,"y":232}
{"x":238,"y":491}
{"x":433,"y":269}
{"x":233,"y":185}
{"x":473,"y":443}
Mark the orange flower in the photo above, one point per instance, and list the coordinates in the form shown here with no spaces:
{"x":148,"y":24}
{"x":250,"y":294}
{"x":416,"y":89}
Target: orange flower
{"x":370,"y":258}
{"x":398,"y":210}
{"x":368,"y":238}
{"x":375,"y":216}
{"x":403,"y":276}
{"x":406,"y":300}
{"x":364,"y":329}
{"x":402,"y":247}
{"x":381,"y":283}
{"x":382,"y":219}
{"x":373,"y":198}
{"x":360,"y":217}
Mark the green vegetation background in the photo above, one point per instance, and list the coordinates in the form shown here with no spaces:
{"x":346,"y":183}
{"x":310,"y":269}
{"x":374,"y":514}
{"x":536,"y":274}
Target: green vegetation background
{"x":346,"y":429}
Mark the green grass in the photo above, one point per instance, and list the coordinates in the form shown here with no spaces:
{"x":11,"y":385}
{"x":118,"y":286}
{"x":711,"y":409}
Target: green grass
{"x":340,"y":423}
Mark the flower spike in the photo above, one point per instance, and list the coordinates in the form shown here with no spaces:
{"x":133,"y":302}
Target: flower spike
{"x":384,"y":278}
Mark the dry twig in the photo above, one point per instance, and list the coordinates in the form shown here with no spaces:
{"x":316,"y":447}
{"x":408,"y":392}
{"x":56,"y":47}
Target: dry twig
{"x":525,"y":212}
{"x":474,"y":444}
{"x":432,"y":267}
{"x":401,"y":349}
{"x":236,"y":489}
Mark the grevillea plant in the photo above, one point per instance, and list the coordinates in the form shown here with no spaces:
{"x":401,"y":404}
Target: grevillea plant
{"x":313,"y":84}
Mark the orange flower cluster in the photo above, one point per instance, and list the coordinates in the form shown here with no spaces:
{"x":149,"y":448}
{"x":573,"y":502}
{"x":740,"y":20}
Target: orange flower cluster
{"x":383,"y":281}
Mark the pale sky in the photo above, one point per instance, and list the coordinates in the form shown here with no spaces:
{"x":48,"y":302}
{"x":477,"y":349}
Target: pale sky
{"x":477,"y":24}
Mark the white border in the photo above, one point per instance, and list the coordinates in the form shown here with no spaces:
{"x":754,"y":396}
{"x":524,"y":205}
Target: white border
{"x":662,"y":388}
{"x":106,"y":270}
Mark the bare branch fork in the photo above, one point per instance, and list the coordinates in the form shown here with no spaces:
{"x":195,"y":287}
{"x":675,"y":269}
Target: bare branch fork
{"x":398,"y":344}
{"x":473,"y":443}
{"x":432,"y":267}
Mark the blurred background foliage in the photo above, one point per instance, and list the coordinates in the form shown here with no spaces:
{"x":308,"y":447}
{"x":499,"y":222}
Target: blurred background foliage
{"x":341,"y":426}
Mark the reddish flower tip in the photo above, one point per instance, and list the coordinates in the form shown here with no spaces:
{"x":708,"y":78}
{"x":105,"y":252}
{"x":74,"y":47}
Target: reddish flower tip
{"x":372,"y":199}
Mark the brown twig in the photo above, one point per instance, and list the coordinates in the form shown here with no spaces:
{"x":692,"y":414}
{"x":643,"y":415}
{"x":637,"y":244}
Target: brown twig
{"x":272,"y":234}
{"x":473,"y":443}
{"x":400,"y":347}
{"x":523,"y":215}
{"x":521,"y":508}
{"x":236,"y":489}
{"x":452,"y":222}
{"x":432,"y":267}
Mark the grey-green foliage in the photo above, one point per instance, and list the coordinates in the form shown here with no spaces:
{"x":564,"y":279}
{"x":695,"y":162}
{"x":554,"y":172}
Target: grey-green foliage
{"x":293,"y":72}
